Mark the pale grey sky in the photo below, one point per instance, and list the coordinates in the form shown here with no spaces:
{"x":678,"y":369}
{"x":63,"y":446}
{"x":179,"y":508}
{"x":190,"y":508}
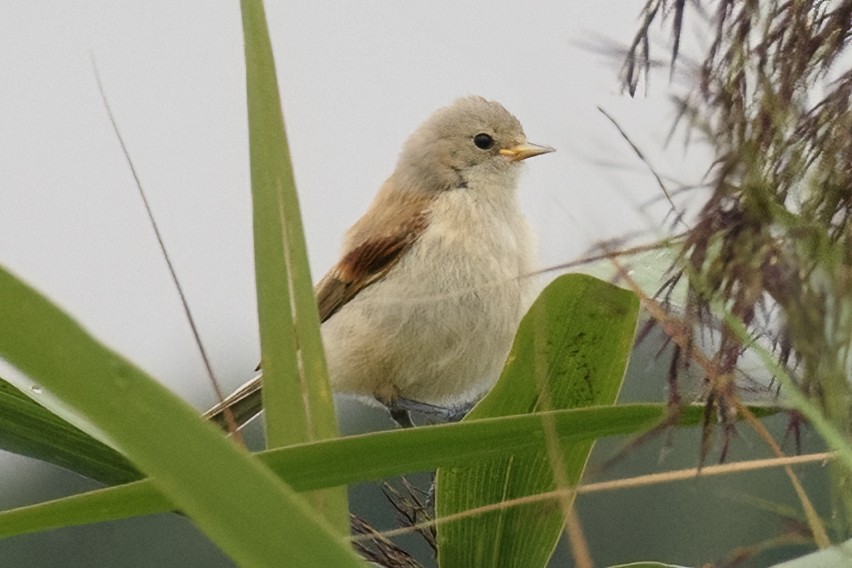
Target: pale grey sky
{"x":356,"y":79}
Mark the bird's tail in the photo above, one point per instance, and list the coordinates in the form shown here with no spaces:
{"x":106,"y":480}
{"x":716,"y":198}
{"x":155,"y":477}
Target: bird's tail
{"x":245,"y":404}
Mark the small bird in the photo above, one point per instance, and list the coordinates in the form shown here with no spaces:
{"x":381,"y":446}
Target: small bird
{"x":421,"y":310}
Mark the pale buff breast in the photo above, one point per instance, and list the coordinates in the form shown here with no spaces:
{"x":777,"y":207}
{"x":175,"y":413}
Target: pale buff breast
{"x":438,"y":327}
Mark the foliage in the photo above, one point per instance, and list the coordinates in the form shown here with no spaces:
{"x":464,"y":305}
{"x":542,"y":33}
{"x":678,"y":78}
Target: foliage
{"x":768,"y":257}
{"x":771,"y":248}
{"x":235,"y":498}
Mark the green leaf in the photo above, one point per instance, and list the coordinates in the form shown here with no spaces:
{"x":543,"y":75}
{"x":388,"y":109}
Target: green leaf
{"x":298,"y":401}
{"x":223,"y":489}
{"x":317,"y":465}
{"x":29,"y":429}
{"x":571,"y":351}
{"x":296,"y":393}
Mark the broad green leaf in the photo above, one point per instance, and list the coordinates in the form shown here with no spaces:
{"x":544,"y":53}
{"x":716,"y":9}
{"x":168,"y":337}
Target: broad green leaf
{"x":571,"y":351}
{"x":296,"y":393}
{"x":222,"y":488}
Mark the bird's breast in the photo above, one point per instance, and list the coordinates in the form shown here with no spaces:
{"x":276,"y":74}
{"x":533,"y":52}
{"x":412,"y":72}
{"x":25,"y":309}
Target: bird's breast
{"x":440,"y":323}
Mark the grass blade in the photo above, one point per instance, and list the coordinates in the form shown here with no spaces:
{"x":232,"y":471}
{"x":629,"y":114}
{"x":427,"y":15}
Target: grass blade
{"x":317,"y":465}
{"x":28,"y":429}
{"x":289,"y":319}
{"x":223,"y":489}
{"x":296,"y":394}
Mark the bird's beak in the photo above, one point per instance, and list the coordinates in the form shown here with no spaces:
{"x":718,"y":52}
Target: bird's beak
{"x":524,"y":151}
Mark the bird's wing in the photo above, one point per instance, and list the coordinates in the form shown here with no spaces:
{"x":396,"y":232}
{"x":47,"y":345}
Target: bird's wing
{"x":366,"y":263}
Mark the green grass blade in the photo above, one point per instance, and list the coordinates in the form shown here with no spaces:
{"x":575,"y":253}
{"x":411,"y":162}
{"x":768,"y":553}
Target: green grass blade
{"x":296,"y":393}
{"x":316,"y":465}
{"x":286,"y":301}
{"x":28,"y":429}
{"x":571,"y":351}
{"x":101,"y":505}
{"x":233,"y":498}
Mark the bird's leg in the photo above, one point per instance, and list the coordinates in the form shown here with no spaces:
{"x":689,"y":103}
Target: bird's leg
{"x":388,"y":395}
{"x":400,"y":416}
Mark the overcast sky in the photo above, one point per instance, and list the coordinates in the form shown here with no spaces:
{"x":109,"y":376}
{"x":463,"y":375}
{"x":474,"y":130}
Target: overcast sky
{"x":356,"y":79}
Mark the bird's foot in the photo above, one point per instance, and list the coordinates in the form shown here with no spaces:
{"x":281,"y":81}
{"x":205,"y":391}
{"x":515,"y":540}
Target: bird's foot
{"x":400,"y":410}
{"x":401,"y":416}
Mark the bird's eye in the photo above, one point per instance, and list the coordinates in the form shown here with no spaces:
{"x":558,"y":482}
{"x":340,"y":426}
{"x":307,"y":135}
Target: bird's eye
{"x":483,"y":141}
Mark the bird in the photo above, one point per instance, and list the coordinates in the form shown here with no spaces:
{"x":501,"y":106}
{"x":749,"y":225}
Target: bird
{"x":421,"y":309}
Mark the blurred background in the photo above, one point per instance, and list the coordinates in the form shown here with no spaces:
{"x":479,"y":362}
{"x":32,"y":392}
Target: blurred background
{"x":356,"y":79}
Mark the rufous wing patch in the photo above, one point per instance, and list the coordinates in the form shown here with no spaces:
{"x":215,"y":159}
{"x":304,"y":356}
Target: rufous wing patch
{"x":366,"y":263}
